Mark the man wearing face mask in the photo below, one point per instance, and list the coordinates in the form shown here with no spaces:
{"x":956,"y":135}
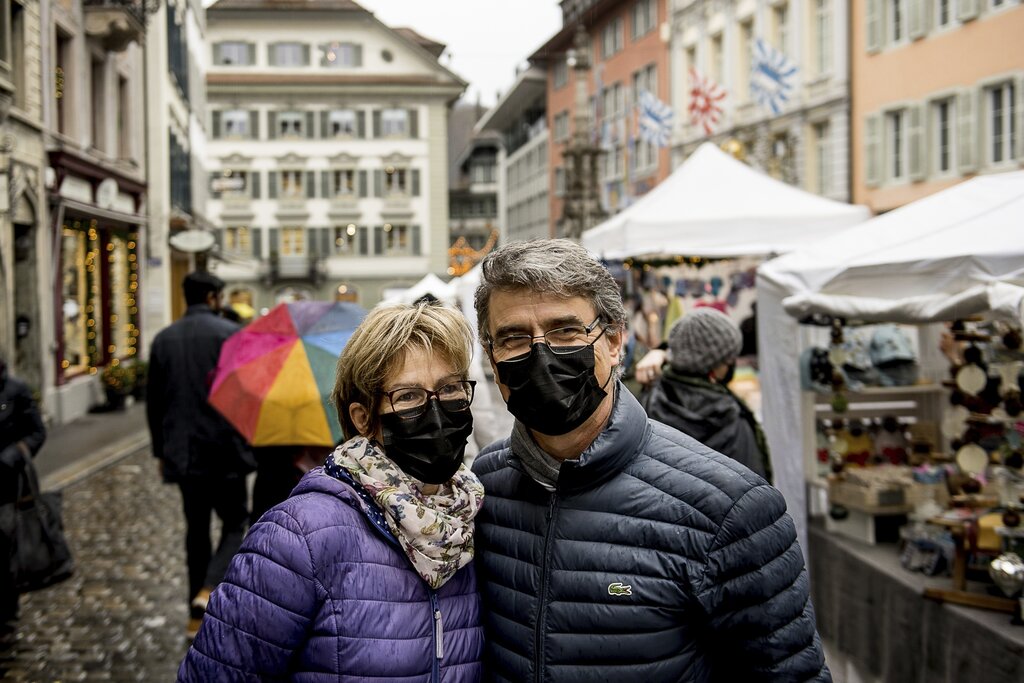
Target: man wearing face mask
{"x":613,"y":547}
{"x":693,"y":393}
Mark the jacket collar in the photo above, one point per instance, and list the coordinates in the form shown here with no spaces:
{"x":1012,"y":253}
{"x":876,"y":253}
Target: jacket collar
{"x":198,"y":309}
{"x":614,"y":448}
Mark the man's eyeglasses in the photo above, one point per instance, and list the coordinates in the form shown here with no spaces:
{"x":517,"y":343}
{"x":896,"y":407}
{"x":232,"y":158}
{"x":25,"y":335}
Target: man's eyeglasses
{"x":412,"y":401}
{"x":560,"y":340}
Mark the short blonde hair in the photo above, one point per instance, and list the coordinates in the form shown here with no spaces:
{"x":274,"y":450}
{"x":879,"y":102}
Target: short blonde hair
{"x":379,"y":346}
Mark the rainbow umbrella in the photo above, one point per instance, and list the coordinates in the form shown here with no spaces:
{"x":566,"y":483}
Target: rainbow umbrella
{"x":274,"y":378}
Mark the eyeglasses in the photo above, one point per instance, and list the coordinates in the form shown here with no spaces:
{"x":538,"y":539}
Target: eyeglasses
{"x":411,"y":402}
{"x":560,"y":340}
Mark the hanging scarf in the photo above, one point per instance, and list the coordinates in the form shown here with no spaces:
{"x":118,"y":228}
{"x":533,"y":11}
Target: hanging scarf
{"x":434,"y":530}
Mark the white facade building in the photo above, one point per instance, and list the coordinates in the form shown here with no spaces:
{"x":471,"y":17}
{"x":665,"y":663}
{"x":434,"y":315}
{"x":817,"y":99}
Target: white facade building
{"x":520,"y":117}
{"x":806,"y":142}
{"x":176,"y":130}
{"x":327,"y":153}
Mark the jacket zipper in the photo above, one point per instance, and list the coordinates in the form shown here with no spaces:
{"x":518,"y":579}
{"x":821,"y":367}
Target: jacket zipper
{"x":438,"y":637}
{"x":542,"y":593}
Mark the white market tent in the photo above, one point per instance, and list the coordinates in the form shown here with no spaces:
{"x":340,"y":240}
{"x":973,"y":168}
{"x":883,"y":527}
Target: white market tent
{"x":430,"y":284}
{"x":953,"y":254}
{"x":717,"y":207}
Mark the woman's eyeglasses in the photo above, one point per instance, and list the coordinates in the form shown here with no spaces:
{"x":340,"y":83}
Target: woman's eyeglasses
{"x":412,"y":401}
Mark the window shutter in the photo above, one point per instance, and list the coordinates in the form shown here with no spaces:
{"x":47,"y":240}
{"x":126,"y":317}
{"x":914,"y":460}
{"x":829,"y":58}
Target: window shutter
{"x":966,"y":10}
{"x":915,"y":19}
{"x":254,"y":184}
{"x":415,"y":182}
{"x":1020,"y":120}
{"x":310,"y":184}
{"x":362,"y":183}
{"x":214,"y":194}
{"x":215,"y":131}
{"x":305,"y":55}
{"x":275,"y":246}
{"x":272,"y":185}
{"x":218,"y":53}
{"x":325,"y":132}
{"x":873,"y":148}
{"x":257,"y":242}
{"x":357,"y":55}
{"x":874,"y":25}
{"x":254,"y":125}
{"x":915,"y":142}
{"x":272,"y":54}
{"x":363,"y":240}
{"x":378,"y":183}
{"x":309,"y":125}
{"x":361,"y":124}
{"x":325,"y":242}
{"x":218,"y":236}
{"x":376,"y":123}
{"x":312,"y":241}
{"x":414,"y":123}
{"x":271,"y":125}
{"x":967,"y":130}
{"x":378,"y":240}
{"x":251,"y":48}
{"x":416,"y":248}
{"x":325,"y":184}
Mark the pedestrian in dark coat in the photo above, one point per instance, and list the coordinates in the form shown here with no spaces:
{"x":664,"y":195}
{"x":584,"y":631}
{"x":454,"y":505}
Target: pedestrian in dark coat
{"x":613,"y":547}
{"x":197,"y":448}
{"x":21,"y":436}
{"x":365,"y":572}
{"x":693,"y":393}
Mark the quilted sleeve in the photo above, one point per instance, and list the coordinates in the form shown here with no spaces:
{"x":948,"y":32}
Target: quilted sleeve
{"x":755,"y":592}
{"x":260,"y":615}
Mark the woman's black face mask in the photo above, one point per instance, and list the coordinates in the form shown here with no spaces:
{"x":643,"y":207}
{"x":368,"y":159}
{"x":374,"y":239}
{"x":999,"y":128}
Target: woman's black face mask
{"x":552,"y":393}
{"x":428,"y":447}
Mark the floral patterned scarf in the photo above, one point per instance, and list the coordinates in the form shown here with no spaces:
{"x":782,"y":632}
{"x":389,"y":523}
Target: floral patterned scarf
{"x":436,"y":530}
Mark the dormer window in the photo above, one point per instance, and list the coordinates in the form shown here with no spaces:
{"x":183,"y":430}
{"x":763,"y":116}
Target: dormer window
{"x":342,"y":55}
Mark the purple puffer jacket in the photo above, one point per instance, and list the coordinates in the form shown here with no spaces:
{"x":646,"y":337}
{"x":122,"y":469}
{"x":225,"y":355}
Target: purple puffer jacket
{"x":319,"y":592}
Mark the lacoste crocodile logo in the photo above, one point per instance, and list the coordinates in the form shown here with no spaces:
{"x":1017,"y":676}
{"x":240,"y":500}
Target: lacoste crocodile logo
{"x":617,"y":589}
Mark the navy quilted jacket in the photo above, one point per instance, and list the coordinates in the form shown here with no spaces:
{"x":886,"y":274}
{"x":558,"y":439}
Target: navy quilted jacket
{"x":321,"y":592}
{"x":655,"y":560}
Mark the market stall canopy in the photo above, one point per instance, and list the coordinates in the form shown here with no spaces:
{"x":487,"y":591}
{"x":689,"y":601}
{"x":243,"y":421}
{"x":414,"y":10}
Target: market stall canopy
{"x":430,"y":284}
{"x":955,"y":253}
{"x":717,"y":207}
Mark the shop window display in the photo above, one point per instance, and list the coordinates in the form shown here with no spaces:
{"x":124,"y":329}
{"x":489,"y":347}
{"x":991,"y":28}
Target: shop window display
{"x":76,"y":304}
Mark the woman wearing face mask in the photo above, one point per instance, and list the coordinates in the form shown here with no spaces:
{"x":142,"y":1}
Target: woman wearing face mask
{"x":365,"y":572}
{"x":693,"y":396}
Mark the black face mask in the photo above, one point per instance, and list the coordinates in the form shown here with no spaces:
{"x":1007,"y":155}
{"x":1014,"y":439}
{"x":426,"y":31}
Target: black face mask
{"x":729,"y":374}
{"x":428,"y":447}
{"x":552,"y":393}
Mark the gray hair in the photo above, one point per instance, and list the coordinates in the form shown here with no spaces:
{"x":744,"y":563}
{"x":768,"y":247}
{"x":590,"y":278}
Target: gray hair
{"x":559,"y":267}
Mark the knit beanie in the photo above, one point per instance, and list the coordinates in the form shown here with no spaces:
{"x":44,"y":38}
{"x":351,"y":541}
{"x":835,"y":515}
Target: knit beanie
{"x":702,"y":340}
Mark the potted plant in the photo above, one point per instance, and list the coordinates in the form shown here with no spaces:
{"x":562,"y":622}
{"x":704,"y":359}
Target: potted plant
{"x":140,"y":368}
{"x":117,"y":383}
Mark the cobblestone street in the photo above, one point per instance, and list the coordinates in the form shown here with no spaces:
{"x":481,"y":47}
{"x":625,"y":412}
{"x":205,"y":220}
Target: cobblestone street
{"x":122,"y":616}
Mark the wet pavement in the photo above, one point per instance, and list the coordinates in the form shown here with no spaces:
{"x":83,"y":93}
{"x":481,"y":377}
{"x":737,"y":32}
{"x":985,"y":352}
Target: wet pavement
{"x":122,"y":615}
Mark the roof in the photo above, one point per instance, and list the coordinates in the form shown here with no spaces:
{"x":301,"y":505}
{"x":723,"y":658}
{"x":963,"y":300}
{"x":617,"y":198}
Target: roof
{"x":530,"y":86}
{"x":432,"y":46}
{"x":289,"y":5}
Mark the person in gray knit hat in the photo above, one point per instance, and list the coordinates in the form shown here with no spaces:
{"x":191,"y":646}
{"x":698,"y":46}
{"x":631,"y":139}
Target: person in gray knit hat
{"x":693,"y":395}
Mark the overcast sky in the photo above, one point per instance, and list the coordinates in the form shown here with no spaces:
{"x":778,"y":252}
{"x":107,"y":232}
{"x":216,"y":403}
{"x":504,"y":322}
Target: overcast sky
{"x":486,"y":39}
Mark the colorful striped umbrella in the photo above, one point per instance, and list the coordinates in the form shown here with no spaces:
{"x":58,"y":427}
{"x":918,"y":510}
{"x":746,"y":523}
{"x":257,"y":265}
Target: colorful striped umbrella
{"x":274,"y":378}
